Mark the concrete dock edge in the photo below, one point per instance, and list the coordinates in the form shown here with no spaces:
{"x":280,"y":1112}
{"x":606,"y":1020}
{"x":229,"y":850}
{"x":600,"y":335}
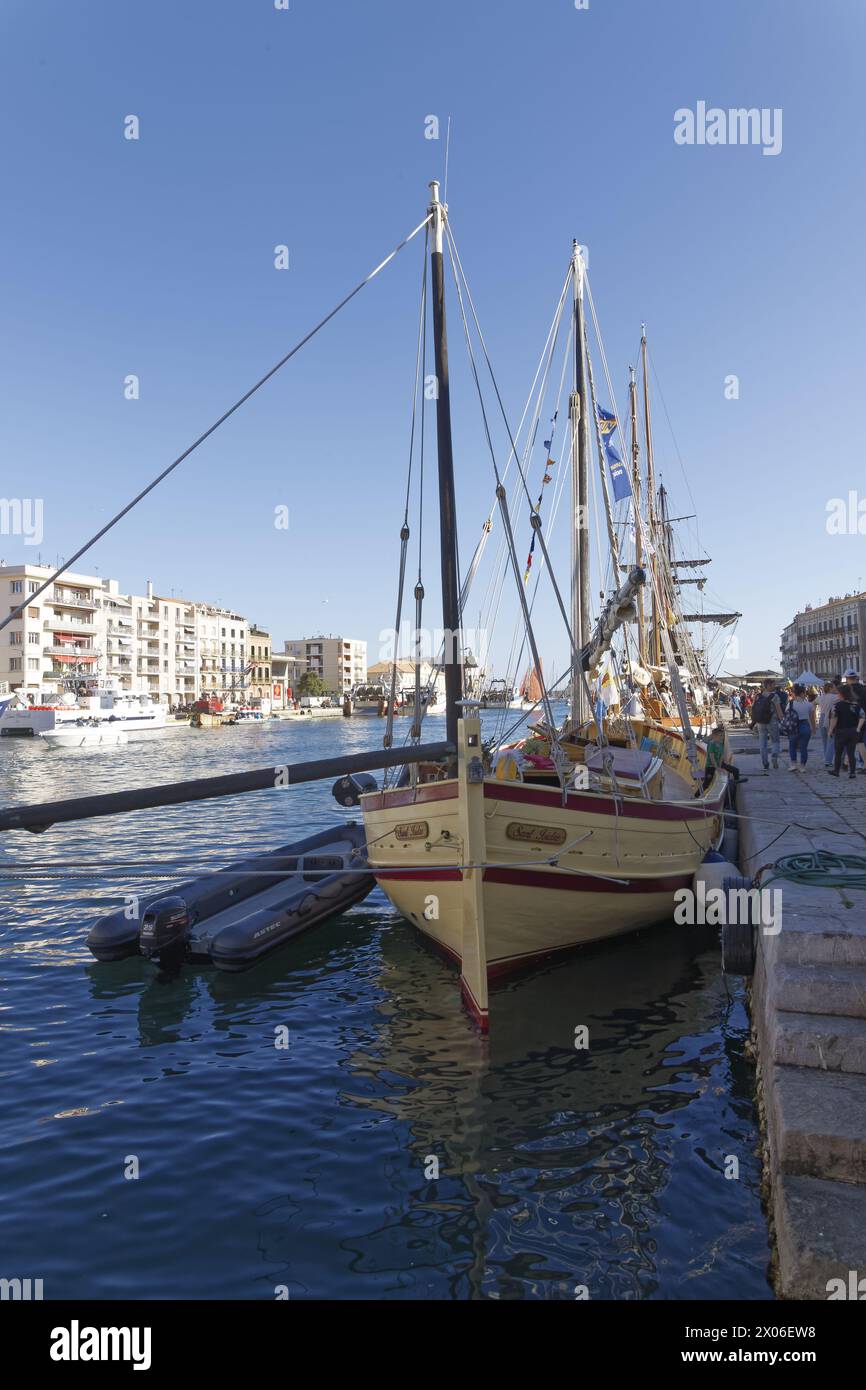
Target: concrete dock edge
{"x":808,"y":1003}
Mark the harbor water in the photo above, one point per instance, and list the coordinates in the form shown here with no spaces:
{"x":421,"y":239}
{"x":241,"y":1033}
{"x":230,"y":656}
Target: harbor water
{"x":157,"y":1142}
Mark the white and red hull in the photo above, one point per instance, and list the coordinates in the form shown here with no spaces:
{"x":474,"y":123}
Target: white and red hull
{"x":554,"y":874}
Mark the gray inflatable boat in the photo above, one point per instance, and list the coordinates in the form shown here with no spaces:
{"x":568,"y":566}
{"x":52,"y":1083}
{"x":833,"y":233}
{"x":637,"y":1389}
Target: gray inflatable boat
{"x":240,"y":913}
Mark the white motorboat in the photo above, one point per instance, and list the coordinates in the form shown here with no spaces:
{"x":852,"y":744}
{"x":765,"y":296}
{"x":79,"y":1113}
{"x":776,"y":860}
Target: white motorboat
{"x":84,"y":733}
{"x":100,"y":701}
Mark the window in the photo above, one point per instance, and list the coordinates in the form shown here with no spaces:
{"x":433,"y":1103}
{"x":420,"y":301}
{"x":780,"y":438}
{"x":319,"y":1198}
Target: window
{"x":14,"y":663}
{"x":15,"y":638}
{"x":33,"y":612}
{"x":34,"y":638}
{"x":32,"y":585}
{"x":33,"y":663}
{"x":17,"y":586}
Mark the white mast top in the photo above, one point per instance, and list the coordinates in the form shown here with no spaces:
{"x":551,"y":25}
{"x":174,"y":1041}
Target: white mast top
{"x":438,"y":210}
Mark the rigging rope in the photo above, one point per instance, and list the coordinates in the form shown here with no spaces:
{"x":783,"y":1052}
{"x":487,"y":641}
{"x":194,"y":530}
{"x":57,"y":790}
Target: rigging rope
{"x":16,"y":612}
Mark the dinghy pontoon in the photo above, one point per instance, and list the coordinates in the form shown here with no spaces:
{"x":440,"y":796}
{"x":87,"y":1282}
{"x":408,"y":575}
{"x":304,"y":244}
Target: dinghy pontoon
{"x":238,"y":914}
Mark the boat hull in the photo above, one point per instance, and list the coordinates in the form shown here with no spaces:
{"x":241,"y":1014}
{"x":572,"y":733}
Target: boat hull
{"x":555,"y":876}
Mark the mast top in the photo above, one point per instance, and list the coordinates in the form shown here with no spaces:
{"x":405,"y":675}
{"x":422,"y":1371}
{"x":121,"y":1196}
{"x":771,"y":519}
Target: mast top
{"x":437,"y":210}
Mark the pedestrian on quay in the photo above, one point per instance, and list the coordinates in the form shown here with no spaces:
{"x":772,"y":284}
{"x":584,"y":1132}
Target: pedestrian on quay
{"x":799,"y":724}
{"x":736,"y":707}
{"x":858,"y":690}
{"x":766,"y":719}
{"x":827,"y":702}
{"x":847,"y":723}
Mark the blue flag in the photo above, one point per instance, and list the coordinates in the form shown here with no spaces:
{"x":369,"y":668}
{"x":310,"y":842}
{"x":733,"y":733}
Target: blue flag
{"x":618,"y":473}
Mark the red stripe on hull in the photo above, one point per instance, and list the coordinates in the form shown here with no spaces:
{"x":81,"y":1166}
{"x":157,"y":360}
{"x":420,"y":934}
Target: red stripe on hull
{"x":544,"y":798}
{"x":423,"y":875}
{"x":410,"y":796}
{"x":584,"y":883}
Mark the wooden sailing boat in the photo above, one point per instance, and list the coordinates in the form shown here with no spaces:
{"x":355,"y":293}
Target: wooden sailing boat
{"x":530,"y":686}
{"x":495,"y":864}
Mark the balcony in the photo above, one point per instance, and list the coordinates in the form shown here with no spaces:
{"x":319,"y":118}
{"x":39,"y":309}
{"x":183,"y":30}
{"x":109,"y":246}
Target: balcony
{"x":68,"y":652}
{"x":66,"y":598}
{"x":64,"y":624}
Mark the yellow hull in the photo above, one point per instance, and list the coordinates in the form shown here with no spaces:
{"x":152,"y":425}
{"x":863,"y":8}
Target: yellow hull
{"x":554,"y":876}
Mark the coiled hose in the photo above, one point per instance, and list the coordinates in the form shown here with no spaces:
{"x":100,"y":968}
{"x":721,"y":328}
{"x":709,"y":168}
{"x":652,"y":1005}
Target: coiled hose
{"x":820,"y":869}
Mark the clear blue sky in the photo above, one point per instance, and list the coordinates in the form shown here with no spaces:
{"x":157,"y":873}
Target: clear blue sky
{"x":306,"y":127}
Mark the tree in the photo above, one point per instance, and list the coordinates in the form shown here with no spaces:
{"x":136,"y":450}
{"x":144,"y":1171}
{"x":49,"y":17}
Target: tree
{"x":311,"y":683}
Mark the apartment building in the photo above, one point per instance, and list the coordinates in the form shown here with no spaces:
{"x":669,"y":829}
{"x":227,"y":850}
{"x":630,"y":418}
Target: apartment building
{"x":171,"y":648}
{"x":260,"y":663}
{"x":340,"y":661}
{"x":827,"y":638}
{"x":59,"y":632}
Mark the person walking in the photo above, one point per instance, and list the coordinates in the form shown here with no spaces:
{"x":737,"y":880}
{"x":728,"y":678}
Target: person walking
{"x":736,"y":707}
{"x":827,"y":702}
{"x":847,"y":723}
{"x":766,"y":719}
{"x":858,"y":690}
{"x":799,"y":725}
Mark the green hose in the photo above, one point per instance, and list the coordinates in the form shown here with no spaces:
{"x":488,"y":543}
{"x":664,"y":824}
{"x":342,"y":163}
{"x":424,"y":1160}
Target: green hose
{"x":820,"y":869}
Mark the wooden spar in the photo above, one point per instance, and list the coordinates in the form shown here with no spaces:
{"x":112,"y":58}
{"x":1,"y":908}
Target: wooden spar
{"x":656,"y":642}
{"x":473,"y":836}
{"x":44,"y":814}
{"x":453,"y":650}
{"x":638,"y":538}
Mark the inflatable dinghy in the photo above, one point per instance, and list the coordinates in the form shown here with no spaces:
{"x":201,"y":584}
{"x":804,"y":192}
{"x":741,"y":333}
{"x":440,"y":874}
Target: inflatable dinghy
{"x":240,"y":913}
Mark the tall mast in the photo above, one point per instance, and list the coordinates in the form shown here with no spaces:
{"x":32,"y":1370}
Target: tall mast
{"x":453,"y":648}
{"x":638,"y":537}
{"x":667,"y":568}
{"x":579,"y":494}
{"x":655,"y":641}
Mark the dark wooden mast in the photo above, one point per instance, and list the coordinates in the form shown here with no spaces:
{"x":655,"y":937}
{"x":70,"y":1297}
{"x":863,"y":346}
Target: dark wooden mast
{"x":453,"y":640}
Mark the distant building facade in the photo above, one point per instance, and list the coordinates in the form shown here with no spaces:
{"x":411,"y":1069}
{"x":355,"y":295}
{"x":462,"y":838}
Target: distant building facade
{"x":260,"y":663}
{"x":827,"y":638}
{"x":340,"y":661}
{"x":83,"y":626}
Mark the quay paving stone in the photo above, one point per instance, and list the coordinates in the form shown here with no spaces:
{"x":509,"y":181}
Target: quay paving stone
{"x":820,"y":1119}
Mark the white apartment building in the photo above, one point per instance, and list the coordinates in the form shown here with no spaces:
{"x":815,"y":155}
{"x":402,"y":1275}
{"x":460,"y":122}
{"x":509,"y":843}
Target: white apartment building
{"x":60,"y":631}
{"x":171,"y":648}
{"x":340,"y":661}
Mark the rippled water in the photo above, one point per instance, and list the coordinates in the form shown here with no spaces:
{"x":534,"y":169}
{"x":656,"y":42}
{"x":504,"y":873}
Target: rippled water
{"x":310,"y":1167}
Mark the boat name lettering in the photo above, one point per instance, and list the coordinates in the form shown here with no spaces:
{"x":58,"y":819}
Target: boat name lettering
{"x":535,"y":834}
{"x":412,"y":830}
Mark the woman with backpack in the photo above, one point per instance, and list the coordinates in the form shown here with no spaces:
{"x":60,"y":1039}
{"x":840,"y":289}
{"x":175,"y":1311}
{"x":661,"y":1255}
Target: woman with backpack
{"x":765,"y":719}
{"x":799,"y":726}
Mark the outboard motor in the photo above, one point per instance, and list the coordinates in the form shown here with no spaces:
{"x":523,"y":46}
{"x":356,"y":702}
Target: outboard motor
{"x":349,"y":790}
{"x":165,"y":930}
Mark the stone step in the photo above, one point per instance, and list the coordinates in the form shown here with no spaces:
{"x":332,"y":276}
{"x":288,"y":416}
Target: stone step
{"x":820,"y":932}
{"x":839,"y":990}
{"x":825,"y":1041}
{"x":818,"y":1123}
{"x":820,"y":1235}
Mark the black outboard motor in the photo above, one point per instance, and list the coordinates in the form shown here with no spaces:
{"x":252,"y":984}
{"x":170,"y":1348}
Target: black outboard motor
{"x":165,"y":930}
{"x":349,"y":790}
